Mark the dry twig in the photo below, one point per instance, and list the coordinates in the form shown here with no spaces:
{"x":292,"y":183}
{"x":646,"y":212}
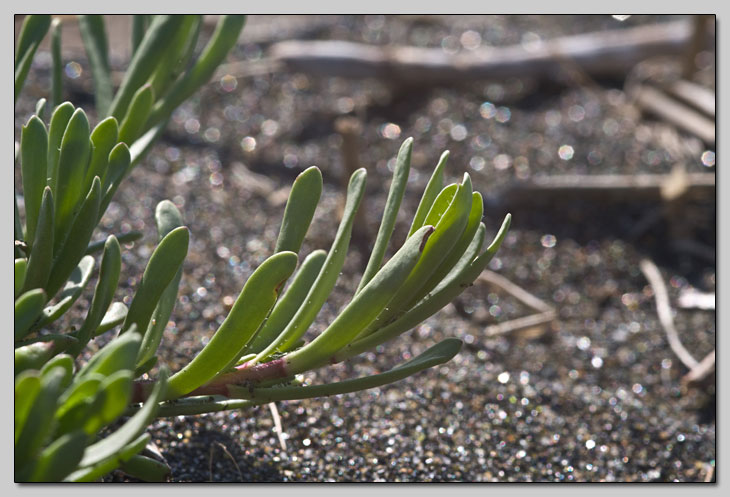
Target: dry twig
{"x":518,"y":324}
{"x":545,"y":314}
{"x":664,"y":311}
{"x":680,"y":115}
{"x":277,"y":425}
{"x":517,"y":292}
{"x":230,"y":456}
{"x":704,"y":369}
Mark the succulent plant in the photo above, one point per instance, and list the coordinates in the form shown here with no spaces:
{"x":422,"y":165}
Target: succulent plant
{"x":68,"y":412}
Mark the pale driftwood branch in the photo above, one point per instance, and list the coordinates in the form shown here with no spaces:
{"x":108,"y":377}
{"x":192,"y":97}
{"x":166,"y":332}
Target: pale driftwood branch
{"x":609,"y":52}
{"x":620,"y":187}
{"x":520,"y":323}
{"x":664,"y":311}
{"x":247,"y":68}
{"x":698,"y":96}
{"x":680,"y":115}
{"x":698,"y":373}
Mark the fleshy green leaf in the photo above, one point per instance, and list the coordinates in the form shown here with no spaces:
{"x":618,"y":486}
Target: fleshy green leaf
{"x":17,"y":226}
{"x":93,"y":34}
{"x":103,"y":138}
{"x":145,"y":366}
{"x":289,"y":303}
{"x":132,"y":429}
{"x":461,"y":276}
{"x":56,"y":63}
{"x":250,"y":309}
{"x":40,"y":110}
{"x":441,"y":204}
{"x":20,"y":267}
{"x":177,"y":56}
{"x":38,"y":426}
{"x":111,"y":264}
{"x":71,"y":291}
{"x":76,"y":403}
{"x":32,"y":32}
{"x":33,"y":157}
{"x":146,"y":469}
{"x":223,"y":39}
{"x":455,"y":254}
{"x":449,"y":228}
{"x":392,"y":204}
{"x":158,"y":37}
{"x":161,"y":269}
{"x":27,"y":387}
{"x":327,"y":277}
{"x":119,"y":164}
{"x":72,"y":163}
{"x":72,"y":250}
{"x":139,"y":109}
{"x":117,"y":389}
{"x":115,"y":316}
{"x":119,"y":354}
{"x":95,"y":471}
{"x":168,"y":217}
{"x":363,"y":308}
{"x":300,"y":207}
{"x":37,"y":353}
{"x":434,"y":186}
{"x":63,"y":361}
{"x":138,"y":29}
{"x":60,"y":457}
{"x":59,"y":120}
{"x":41,"y":254}
{"x":27,"y":309}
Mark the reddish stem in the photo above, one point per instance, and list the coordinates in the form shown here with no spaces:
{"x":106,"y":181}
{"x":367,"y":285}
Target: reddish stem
{"x":244,"y":373}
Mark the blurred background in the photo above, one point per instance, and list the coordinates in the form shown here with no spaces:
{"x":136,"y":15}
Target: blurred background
{"x":588,"y":345}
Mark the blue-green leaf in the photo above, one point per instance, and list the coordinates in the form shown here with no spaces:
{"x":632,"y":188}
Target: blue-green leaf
{"x":250,"y":309}
{"x":132,"y":429}
{"x":434,"y":186}
{"x":168,"y":217}
{"x":72,"y":163}
{"x":93,"y":34}
{"x":289,"y":302}
{"x":392,"y":204}
{"x":33,"y":161}
{"x":164,"y":263}
{"x":327,"y":277}
{"x":111,"y":263}
{"x":300,"y":207}
{"x":27,"y":309}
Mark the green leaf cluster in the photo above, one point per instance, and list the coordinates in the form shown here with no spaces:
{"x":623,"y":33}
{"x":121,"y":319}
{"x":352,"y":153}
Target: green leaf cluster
{"x":65,"y":408}
{"x":258,"y":351}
